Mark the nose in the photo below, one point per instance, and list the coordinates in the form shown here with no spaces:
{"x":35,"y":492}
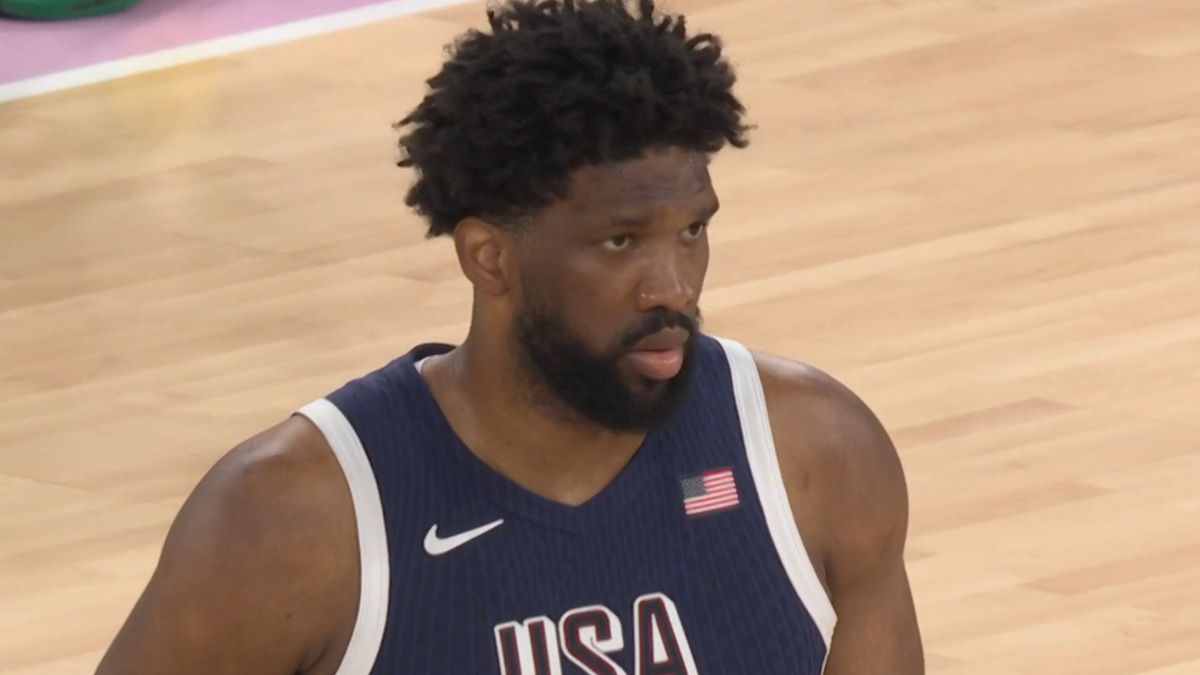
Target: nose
{"x":666,"y":285}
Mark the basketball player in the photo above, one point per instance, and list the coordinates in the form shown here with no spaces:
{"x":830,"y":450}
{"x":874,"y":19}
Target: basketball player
{"x":588,"y":483}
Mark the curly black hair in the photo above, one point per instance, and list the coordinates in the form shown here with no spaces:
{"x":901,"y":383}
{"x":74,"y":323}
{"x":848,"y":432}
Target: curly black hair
{"x":558,"y":85}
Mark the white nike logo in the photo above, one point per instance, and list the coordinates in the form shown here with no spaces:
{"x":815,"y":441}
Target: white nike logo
{"x":435,"y":545}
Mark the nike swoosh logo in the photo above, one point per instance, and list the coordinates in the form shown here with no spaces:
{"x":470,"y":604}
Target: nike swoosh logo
{"x":435,"y":545}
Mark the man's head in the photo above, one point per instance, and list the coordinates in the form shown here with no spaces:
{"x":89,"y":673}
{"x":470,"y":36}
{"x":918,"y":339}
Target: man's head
{"x":567,"y":153}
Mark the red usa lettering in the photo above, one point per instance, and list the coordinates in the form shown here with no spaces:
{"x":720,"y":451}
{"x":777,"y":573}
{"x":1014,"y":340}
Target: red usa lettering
{"x":590,"y":636}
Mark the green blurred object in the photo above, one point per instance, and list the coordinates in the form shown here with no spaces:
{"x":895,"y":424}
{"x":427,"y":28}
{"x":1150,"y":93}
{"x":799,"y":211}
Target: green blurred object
{"x":57,"y":10}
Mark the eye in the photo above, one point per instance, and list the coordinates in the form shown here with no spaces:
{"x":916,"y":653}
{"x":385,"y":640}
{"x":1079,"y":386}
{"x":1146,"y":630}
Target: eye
{"x":618,"y":243}
{"x":694,"y":231}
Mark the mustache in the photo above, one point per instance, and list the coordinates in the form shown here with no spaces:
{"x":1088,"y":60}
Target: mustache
{"x":661,"y":319}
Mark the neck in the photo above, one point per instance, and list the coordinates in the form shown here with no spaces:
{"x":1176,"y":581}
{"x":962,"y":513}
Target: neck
{"x":540,"y":445}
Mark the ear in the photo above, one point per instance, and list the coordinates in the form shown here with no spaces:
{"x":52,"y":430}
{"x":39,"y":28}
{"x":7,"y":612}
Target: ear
{"x":485,"y":254}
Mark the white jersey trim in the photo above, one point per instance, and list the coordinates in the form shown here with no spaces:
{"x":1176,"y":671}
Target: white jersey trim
{"x":772,"y":494}
{"x":373,"y":596}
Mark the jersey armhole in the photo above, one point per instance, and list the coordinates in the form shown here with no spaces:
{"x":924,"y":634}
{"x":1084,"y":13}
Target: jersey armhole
{"x":367,"y":635}
{"x":772,"y":493}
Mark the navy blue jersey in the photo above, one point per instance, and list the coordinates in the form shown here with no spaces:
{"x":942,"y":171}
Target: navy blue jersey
{"x":687,"y":562}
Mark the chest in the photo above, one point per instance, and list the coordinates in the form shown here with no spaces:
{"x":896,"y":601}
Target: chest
{"x":646,"y":589}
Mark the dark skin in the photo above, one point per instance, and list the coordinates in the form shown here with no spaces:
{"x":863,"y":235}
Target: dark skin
{"x":628,"y":238}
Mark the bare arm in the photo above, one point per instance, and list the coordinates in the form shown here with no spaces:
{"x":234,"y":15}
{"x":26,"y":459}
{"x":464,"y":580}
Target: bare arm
{"x":877,"y":624}
{"x":848,"y":494}
{"x":258,"y":573}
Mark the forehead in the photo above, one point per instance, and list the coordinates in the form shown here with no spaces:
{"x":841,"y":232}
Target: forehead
{"x":658,"y":178}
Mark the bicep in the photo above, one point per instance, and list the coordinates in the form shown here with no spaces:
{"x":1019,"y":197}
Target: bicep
{"x":876,"y":628}
{"x":228,"y":593}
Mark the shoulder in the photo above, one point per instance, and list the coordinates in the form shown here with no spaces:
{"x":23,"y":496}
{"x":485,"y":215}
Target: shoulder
{"x":270,"y":467}
{"x":281,"y":500}
{"x":841,"y":470}
{"x":285,"y":480}
{"x":830,"y":422}
{"x":259,"y":569}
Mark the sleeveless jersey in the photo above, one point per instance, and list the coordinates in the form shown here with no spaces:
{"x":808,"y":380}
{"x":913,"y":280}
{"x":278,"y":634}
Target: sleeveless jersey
{"x":687,"y":563}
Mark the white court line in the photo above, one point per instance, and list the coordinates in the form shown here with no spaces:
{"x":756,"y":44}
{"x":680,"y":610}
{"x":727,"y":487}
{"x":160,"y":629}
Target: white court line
{"x":230,"y":44}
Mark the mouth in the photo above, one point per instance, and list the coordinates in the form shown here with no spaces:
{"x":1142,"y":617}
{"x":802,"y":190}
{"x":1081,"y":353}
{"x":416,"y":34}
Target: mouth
{"x":660,"y":356}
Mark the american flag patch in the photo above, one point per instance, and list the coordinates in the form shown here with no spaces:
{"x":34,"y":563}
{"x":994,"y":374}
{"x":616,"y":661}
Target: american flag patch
{"x":710,"y":491}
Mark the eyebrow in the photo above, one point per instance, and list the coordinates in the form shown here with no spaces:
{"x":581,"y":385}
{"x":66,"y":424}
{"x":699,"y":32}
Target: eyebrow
{"x":644,"y":219}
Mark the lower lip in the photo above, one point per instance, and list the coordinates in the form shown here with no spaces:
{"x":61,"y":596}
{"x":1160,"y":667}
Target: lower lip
{"x":658,"y":364}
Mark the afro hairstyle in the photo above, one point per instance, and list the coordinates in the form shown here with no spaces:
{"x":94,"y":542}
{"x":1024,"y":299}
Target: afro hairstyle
{"x":555,"y":86}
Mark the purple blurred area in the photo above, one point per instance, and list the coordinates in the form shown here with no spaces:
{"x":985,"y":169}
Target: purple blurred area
{"x":32,"y":48}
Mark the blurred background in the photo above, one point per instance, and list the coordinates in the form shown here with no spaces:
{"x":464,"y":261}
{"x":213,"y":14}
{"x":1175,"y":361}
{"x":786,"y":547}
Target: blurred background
{"x":981,"y":215}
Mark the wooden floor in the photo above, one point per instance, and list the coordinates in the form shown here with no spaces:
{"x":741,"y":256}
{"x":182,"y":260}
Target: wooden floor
{"x":983,"y":215}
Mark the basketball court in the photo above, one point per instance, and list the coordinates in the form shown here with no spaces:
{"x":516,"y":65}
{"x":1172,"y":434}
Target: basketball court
{"x":981,"y":215}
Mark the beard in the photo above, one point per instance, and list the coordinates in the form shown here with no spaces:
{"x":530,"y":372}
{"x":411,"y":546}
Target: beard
{"x":562,"y":366}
